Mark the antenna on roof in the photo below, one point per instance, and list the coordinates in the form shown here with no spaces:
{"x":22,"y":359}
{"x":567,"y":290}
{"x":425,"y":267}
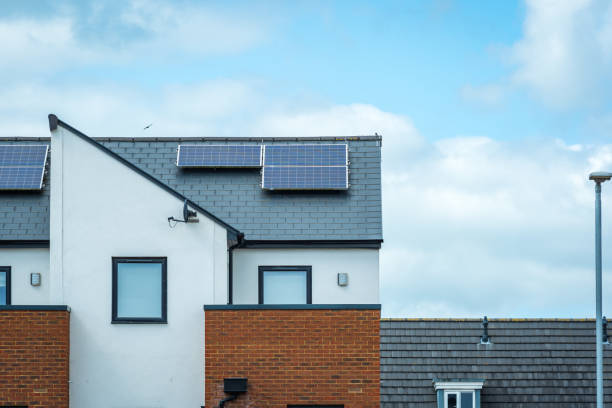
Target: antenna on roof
{"x":189,"y":216}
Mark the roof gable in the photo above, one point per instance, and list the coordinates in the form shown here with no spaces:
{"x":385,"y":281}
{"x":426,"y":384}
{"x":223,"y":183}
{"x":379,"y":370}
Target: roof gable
{"x":54,"y":122}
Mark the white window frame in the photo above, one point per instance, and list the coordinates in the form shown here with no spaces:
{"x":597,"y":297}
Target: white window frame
{"x":457,"y":387}
{"x":458,"y":394}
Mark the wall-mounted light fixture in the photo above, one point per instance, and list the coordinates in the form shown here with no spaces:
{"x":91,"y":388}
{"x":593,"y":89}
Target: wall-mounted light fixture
{"x":342,"y":279}
{"x":35,"y":279}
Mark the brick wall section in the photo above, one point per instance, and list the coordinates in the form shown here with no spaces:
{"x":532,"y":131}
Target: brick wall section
{"x":294,"y":357}
{"x":34,"y":353}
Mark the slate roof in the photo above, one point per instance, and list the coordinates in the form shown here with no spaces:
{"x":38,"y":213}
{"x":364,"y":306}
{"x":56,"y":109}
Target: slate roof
{"x":530,"y":363}
{"x":235,"y":195}
{"x":25,"y":215}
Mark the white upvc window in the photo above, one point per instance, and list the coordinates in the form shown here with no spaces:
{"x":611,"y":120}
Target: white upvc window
{"x":459,"y":399}
{"x":458,"y":393}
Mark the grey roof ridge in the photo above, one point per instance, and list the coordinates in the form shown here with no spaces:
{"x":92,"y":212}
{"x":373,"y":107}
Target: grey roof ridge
{"x":450,"y":319}
{"x":25,"y":138}
{"x":54,"y":122}
{"x":206,"y":138}
{"x":238,"y":138}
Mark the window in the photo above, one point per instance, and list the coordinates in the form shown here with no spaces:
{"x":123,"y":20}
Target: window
{"x":139,"y":290}
{"x":459,"y":399}
{"x":5,"y":285}
{"x":316,"y":406}
{"x":285,"y":285}
{"x":458,"y":393}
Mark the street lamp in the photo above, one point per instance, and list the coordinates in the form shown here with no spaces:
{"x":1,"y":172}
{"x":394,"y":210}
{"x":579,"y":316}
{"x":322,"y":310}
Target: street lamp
{"x":598,"y":177}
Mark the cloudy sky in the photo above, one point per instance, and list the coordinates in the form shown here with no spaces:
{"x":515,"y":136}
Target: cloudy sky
{"x":492,"y":116}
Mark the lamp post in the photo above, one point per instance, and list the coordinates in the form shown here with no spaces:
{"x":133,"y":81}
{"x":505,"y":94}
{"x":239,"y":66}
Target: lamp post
{"x":598,"y":178}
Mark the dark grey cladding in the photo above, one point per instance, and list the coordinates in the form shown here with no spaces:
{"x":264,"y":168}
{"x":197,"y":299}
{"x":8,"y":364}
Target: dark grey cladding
{"x":234,"y":195}
{"x":530,"y":363}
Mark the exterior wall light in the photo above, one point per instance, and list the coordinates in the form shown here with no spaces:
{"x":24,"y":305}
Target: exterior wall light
{"x":35,"y":279}
{"x":342,"y":279}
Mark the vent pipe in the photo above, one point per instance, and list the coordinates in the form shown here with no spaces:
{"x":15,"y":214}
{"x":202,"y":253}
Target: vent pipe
{"x":484,"y":339}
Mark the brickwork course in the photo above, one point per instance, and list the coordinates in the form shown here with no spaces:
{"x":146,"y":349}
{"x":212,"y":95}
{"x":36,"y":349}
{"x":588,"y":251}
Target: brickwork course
{"x":307,"y":357}
{"x":34,"y":358}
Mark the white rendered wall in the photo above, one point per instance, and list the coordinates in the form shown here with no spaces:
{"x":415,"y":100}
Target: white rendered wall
{"x":103,"y":209}
{"x":23,"y":262}
{"x":360,"y":264}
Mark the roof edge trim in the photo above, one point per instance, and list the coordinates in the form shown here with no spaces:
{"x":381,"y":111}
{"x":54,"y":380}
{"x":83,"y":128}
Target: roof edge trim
{"x":339,"y":306}
{"x":62,"y":308}
{"x":240,"y":139}
{"x":55,"y":121}
{"x":467,"y":385}
{"x":24,"y":243}
{"x":317,"y":243}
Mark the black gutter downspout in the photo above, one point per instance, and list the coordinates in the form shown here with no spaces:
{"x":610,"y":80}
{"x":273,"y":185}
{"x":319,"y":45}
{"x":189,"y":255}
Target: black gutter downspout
{"x":230,"y":277}
{"x":228,"y":399}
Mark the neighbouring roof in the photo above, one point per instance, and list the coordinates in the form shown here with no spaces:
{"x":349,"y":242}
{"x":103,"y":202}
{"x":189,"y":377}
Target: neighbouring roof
{"x":235,"y":195}
{"x":529,"y":363}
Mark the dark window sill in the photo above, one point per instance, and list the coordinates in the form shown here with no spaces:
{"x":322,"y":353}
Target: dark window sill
{"x":139,"y":321}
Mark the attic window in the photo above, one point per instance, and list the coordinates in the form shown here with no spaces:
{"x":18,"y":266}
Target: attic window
{"x":458,"y":393}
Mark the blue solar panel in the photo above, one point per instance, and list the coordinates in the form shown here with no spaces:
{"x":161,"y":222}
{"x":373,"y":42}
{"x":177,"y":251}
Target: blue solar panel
{"x":23,"y":155}
{"x":305,"y":177}
{"x":22,"y":167}
{"x":306,"y":155}
{"x":219,"y":156}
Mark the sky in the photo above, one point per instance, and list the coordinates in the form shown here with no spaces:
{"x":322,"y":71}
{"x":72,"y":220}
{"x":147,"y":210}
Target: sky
{"x":492,"y":116}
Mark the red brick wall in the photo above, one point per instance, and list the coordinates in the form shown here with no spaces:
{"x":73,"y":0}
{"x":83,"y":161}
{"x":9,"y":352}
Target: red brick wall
{"x":34,"y":352}
{"x":294,"y":357}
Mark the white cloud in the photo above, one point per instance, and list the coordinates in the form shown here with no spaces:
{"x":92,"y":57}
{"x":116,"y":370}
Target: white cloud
{"x":476,"y":227}
{"x":36,"y":45}
{"x":191,"y":29}
{"x":152,"y":31}
{"x":201,"y":109}
{"x":565,"y":52}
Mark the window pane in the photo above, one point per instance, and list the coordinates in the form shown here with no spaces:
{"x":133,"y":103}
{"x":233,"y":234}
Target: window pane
{"x":466,"y":399}
{"x":139,"y":290}
{"x":284,"y":287}
{"x":452,"y":400}
{"x":2,"y":288}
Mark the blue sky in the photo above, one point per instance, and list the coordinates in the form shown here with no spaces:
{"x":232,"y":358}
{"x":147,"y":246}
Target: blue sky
{"x":492,"y":115}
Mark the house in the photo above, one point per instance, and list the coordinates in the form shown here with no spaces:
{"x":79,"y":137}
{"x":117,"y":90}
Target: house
{"x":174,"y":272}
{"x":516,"y":363}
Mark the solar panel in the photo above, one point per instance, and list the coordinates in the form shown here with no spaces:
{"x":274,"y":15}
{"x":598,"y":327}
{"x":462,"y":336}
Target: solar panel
{"x":305,"y":177}
{"x":219,"y":156}
{"x":306,"y":155}
{"x":305,"y":167}
{"x":22,"y":167}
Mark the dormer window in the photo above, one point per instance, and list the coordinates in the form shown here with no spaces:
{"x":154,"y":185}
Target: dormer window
{"x":458,"y":393}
